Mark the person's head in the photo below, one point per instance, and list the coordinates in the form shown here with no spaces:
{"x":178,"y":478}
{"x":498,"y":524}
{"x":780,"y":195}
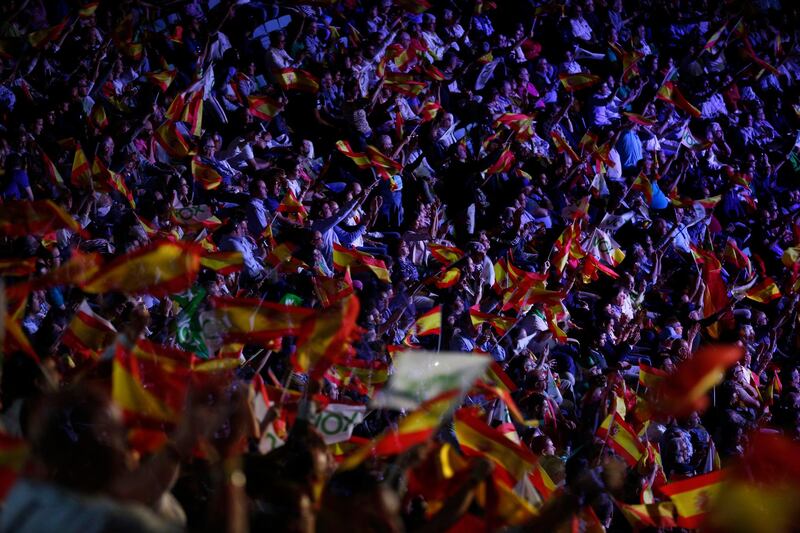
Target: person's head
{"x":258,"y":189}
{"x":277,"y":39}
{"x":542,"y":445}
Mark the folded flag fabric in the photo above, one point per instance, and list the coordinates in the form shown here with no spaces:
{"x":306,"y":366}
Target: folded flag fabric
{"x":621,"y":438}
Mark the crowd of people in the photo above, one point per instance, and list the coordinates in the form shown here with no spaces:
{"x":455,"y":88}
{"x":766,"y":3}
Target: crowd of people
{"x":597,"y":198}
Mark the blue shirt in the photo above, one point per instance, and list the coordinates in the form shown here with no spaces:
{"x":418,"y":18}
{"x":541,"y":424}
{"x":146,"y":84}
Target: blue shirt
{"x":630,"y":149}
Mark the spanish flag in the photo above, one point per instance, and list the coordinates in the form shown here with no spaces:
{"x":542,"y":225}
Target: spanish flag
{"x":694,"y":497}
{"x":97,"y":117}
{"x":670,"y":93}
{"x":81,"y":176}
{"x":37,"y":217}
{"x":251,"y":320}
{"x":621,"y":438}
{"x":412,"y":430}
{"x":715,"y":37}
{"x":17,"y":267}
{"x":445,"y":255}
{"x":564,"y":245}
{"x":281,"y":258}
{"x":643,"y":185}
{"x":413,"y":6}
{"x":649,"y":515}
{"x":650,"y":377}
{"x":193,"y":113}
{"x":429,"y":323}
{"x":764,"y":292}
{"x":343,"y":257}
{"x":149,"y":385}
{"x":541,"y":481}
{"x":503,"y":163}
{"x":382,"y":163}
{"x":169,"y":137}
{"x":222,"y":262}
{"x":76,"y":271}
{"x":429,"y":111}
{"x":292,"y":206}
{"x":50,"y":170}
{"x":263,"y":107}
{"x":407,"y":88}
{"x":359,"y":158}
{"x":562,"y":146}
{"x":161,"y":268}
{"x":576,"y":82}
{"x":686,"y":389}
{"x":40,"y":39}
{"x":292,"y":79}
{"x":639,"y":119}
{"x":205,"y":174}
{"x":447,"y":278}
{"x":477,"y":438}
{"x":88,"y":333}
{"x":501,"y":324}
{"x":520,"y":123}
{"x":88,"y":9}
{"x":162,"y":78}
{"x":326,"y":337}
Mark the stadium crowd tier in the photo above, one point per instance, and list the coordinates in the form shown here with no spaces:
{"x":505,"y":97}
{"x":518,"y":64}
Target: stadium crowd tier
{"x":399,"y":265}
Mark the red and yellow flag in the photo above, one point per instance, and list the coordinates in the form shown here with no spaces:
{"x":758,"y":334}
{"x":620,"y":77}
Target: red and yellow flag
{"x":476,"y":438}
{"x":621,"y":438}
{"x":205,"y":174}
{"x":76,"y":271}
{"x":263,"y":107}
{"x":50,"y":170}
{"x":562,"y":146}
{"x":37,"y":217}
{"x":575,"y":82}
{"x":670,"y":93}
{"x":429,"y":323}
{"x":694,"y":497}
{"x":160,"y":268}
{"x":88,"y":9}
{"x":162,"y":78}
{"x":686,"y":389}
{"x":326,"y":337}
{"x":292,"y":79}
{"x":359,"y":158}
{"x":40,"y":39}
{"x":344,"y":257}
{"x":429,"y":111}
{"x":292,"y":206}
{"x":88,"y":333}
{"x":445,"y":255}
{"x":503,"y":163}
{"x":649,"y":515}
{"x":251,"y":320}
{"x":17,"y":267}
{"x":172,"y":140}
{"x":764,"y":292}
{"x":650,"y":377}
{"x":222,"y":262}
{"x":81,"y":176}
{"x":501,"y":324}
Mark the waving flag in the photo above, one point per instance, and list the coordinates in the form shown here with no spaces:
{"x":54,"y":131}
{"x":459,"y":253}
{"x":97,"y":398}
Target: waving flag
{"x":161,"y":268}
{"x":223,"y":262}
{"x":715,"y":37}
{"x":37,"y":217}
{"x":420,"y":376}
{"x":88,"y":333}
{"x":621,"y":438}
{"x":76,"y":271}
{"x":521,"y":124}
{"x":562,"y":146}
{"x":429,"y":111}
{"x":503,"y":163}
{"x":686,"y":389}
{"x":429,"y":323}
{"x":650,"y":377}
{"x":292,"y":79}
{"x":343,"y":257}
{"x":17,"y":267}
{"x":475,"y":438}
{"x":40,"y":39}
{"x":326,"y":337}
{"x":162,"y":78}
{"x":764,"y":292}
{"x":205,"y":174}
{"x":359,"y":158}
{"x":694,"y":497}
{"x":172,"y":139}
{"x":292,"y":206}
{"x":576,"y":82}
{"x":501,"y":324}
{"x":50,"y":170}
{"x":670,"y":93}
{"x":263,"y":107}
{"x":251,"y":320}
{"x":81,"y":176}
